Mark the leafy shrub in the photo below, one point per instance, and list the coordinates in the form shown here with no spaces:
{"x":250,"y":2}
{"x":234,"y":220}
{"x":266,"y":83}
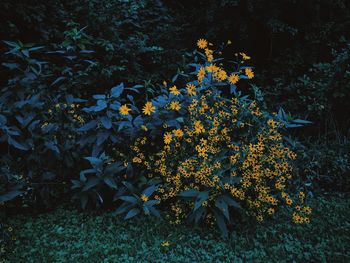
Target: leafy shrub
{"x":220,"y":153}
{"x":323,"y":166}
{"x":129,"y":37}
{"x":37,"y":125}
{"x":205,"y":142}
{"x":322,"y":93}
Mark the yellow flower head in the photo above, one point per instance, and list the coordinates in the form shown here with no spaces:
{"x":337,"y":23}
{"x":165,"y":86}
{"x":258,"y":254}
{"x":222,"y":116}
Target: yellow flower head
{"x":124,"y":110}
{"x":270,"y":211}
{"x":148,"y":109}
{"x":178,"y":133}
{"x":249,"y":72}
{"x":168,"y":138}
{"x":198,"y":127}
{"x":165,"y":244}
{"x":174,"y":90}
{"x":307,"y":210}
{"x":202,"y":43}
{"x":212,"y":68}
{"x":233,"y":79}
{"x":201,"y":74}
{"x":175,"y":105}
{"x":271,"y":123}
{"x":210,"y":58}
{"x":289,"y":201}
{"x":220,"y":75}
{"x":144,"y":198}
{"x":244,"y":56}
{"x":191,"y":89}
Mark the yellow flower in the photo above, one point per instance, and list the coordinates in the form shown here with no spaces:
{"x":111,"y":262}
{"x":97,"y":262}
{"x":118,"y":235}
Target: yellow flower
{"x":289,"y":201}
{"x":124,"y":110}
{"x":233,"y":79}
{"x":202,"y":43}
{"x":144,"y":198}
{"x":178,"y":133}
{"x":198,"y":127}
{"x":307,"y":220}
{"x":244,"y":56}
{"x":212,"y":68}
{"x":229,"y":42}
{"x":174,"y":90}
{"x":210,"y":58}
{"x":259,"y":218}
{"x":249,"y":72}
{"x":165,"y":244}
{"x":220,"y":75}
{"x":175,"y":105}
{"x":168,"y":138}
{"x":271,"y":123}
{"x":307,"y":210}
{"x":201,"y":74}
{"x":191,"y":89}
{"x":148,"y":109}
{"x":270,"y":211}
{"x":143,"y":127}
{"x":136,"y":160}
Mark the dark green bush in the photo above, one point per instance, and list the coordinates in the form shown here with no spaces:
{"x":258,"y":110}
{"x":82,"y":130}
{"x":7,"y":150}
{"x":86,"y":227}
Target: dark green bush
{"x":59,"y":103}
{"x":131,"y":38}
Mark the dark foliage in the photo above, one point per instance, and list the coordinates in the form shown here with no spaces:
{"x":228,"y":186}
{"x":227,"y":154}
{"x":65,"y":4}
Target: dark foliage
{"x":82,"y":48}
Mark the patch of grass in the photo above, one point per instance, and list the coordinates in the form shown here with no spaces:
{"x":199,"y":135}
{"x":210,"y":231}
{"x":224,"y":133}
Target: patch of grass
{"x":70,"y":236}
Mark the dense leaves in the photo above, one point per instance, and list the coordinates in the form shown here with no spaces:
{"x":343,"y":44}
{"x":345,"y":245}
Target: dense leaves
{"x":81,"y":81}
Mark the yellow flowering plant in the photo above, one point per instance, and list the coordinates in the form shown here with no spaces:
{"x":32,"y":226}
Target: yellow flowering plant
{"x":220,"y":153}
{"x":205,"y":149}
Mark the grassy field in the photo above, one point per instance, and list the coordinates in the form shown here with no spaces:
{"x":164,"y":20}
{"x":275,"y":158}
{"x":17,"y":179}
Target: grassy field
{"x":66,"y":235}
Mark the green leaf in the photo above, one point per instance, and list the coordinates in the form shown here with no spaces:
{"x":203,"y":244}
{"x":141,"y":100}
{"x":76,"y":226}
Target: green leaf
{"x":16,"y":144}
{"x":117,"y":90}
{"x":114,"y":168}
{"x":149,"y":191}
{"x":231,"y":202}
{"x":106,"y":122}
{"x":95,"y":162}
{"x":129,"y":199}
{"x":223,"y":207}
{"x":133,"y":212}
{"x":202,"y":196}
{"x":93,"y":181}
{"x":154,"y":211}
{"x":110,"y":182}
{"x":302,"y":121}
{"x":10,"y":195}
{"x":220,"y":220}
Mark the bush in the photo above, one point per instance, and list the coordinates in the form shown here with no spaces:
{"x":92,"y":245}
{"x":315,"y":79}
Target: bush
{"x":129,"y":38}
{"x":221,"y":150}
{"x":38,"y":126}
{"x":324,"y":166}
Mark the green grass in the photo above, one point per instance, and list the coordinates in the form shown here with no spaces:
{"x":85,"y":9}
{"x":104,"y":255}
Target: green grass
{"x":66,"y":235}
